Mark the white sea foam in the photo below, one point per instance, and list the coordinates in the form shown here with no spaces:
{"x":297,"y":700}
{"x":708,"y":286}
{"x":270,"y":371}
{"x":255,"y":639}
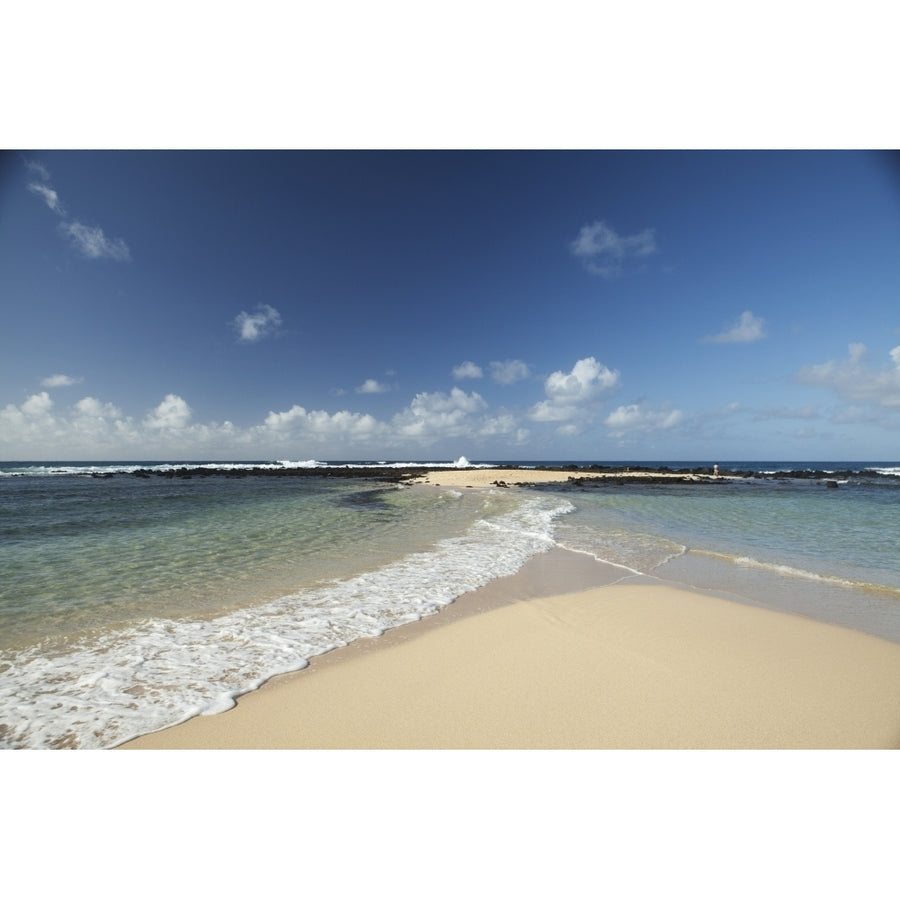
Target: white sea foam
{"x":105,"y":690}
{"x":123,"y":468}
{"x":749,"y":562}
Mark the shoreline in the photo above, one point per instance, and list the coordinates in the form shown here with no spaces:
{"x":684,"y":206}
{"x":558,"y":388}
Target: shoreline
{"x":570,"y":653}
{"x":500,"y":477}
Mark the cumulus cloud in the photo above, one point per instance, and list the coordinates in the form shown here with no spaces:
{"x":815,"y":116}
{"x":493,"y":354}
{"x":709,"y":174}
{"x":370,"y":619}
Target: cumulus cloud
{"x":636,"y":417}
{"x":603,"y":252}
{"x":467,"y":370}
{"x":28,"y":425}
{"x":95,"y":428}
{"x":371,"y":386}
{"x":510,"y":371}
{"x":748,"y":328}
{"x":431,"y":416}
{"x":255,"y":326}
{"x":91,"y":242}
{"x":57,"y":381}
{"x":573,"y":394}
{"x":91,"y":408}
{"x":172,"y":413}
{"x":98,"y":429}
{"x":320,"y":426}
{"x":37,"y":405}
{"x":88,"y":240}
{"x":854,"y":379}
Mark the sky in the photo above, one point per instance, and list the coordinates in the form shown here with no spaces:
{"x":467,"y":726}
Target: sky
{"x":427,"y":305}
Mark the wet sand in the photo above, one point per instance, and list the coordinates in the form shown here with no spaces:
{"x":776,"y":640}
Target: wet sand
{"x":570,"y":653}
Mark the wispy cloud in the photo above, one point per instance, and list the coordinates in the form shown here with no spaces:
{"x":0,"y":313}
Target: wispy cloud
{"x":854,"y":379}
{"x":51,"y":198}
{"x":38,"y":169}
{"x":88,"y":240}
{"x":764,"y":414}
{"x":637,"y":417}
{"x":603,"y":251}
{"x":91,"y":242}
{"x":747,"y":329}
{"x":255,"y":326}
{"x":509,"y":371}
{"x":371,"y":386}
{"x":467,"y":370}
{"x":57,"y":381}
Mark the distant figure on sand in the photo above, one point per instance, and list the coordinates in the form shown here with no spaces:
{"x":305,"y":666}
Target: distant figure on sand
{"x":716,"y":470}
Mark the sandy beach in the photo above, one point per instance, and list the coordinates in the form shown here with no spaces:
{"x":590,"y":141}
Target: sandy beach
{"x":484,"y":478}
{"x":570,"y":653}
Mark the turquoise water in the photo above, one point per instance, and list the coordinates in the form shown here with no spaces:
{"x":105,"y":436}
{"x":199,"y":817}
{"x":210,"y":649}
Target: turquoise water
{"x":793,"y":545}
{"x":130,"y":603}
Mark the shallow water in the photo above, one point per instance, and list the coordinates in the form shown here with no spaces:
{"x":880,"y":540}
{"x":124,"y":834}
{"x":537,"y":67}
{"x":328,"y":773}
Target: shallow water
{"x":128,"y":604}
{"x":131,"y":604}
{"x":791,"y":545}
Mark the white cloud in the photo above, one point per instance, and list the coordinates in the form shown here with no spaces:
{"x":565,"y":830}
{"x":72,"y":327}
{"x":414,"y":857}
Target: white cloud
{"x":371,"y":386}
{"x":38,"y":169}
{"x":510,"y":371}
{"x":173,"y":413}
{"x":91,"y":242}
{"x":28,"y":425}
{"x":279,"y":420}
{"x":252,"y":327}
{"x":94,"y":428}
{"x":437,"y":415}
{"x":467,"y":370}
{"x":855,"y":380}
{"x":51,"y":198}
{"x":602,"y":251}
{"x":786,"y":412}
{"x":98,"y":425}
{"x":573,"y":394}
{"x":91,"y":408}
{"x":88,"y":240}
{"x":56,"y":381}
{"x":37,"y":405}
{"x":748,"y":328}
{"x":636,"y":417}
{"x":320,"y":426}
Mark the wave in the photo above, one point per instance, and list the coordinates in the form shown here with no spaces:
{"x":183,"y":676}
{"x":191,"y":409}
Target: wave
{"x":126,"y":468}
{"x":106,"y":688}
{"x":750,"y":562}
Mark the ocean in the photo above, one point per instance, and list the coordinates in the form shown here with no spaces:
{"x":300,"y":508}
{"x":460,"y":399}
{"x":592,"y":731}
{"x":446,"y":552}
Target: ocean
{"x":136,"y":595}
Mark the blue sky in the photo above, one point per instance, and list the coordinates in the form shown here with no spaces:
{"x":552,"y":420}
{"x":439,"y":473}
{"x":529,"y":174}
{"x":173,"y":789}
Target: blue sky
{"x":585,"y":305}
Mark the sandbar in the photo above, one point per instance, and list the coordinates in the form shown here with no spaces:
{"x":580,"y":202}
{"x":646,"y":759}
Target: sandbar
{"x":488,"y":477}
{"x":574,"y":654}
